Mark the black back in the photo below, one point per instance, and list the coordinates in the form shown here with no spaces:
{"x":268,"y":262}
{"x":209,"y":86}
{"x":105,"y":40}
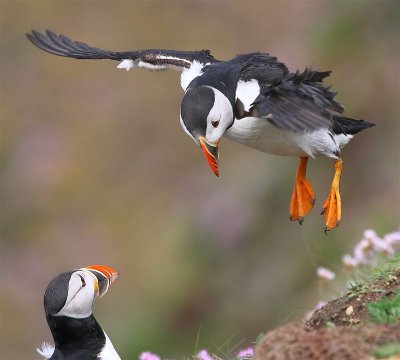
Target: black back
{"x":225,"y":75}
{"x":260,"y":66}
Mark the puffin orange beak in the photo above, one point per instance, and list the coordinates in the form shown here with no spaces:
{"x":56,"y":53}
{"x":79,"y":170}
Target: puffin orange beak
{"x":211,"y":152}
{"x":105,"y":276}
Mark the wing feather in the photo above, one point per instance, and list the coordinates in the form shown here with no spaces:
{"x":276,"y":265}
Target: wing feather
{"x":298,"y":102}
{"x":262,"y":67}
{"x":61,"y":45}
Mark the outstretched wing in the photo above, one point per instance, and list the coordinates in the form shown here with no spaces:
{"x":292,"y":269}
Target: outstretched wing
{"x":298,"y":102}
{"x":153,"y":59}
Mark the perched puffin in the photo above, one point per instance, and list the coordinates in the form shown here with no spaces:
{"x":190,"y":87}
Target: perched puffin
{"x":68,"y":302}
{"x":251,"y":99}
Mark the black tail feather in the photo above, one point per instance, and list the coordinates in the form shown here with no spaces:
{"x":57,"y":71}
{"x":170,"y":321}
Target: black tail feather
{"x":345,"y":125}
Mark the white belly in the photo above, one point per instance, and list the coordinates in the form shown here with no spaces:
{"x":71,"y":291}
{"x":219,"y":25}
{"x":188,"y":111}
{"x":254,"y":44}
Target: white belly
{"x":261,"y":135}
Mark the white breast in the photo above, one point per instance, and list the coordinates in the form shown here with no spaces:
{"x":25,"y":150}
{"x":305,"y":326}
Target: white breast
{"x":261,"y":135}
{"x":108,"y":352}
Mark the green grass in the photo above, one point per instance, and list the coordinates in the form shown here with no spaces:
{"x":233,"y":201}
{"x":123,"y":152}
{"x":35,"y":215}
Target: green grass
{"x":330,"y":325}
{"x":386,"y":311}
{"x":385,"y":351}
{"x":387,"y":271}
{"x":357,"y":288}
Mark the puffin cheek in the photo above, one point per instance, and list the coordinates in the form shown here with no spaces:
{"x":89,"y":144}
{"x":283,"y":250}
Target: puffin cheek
{"x":214,"y":135}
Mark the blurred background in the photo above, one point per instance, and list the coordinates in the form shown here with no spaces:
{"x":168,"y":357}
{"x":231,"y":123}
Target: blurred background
{"x":95,"y":168}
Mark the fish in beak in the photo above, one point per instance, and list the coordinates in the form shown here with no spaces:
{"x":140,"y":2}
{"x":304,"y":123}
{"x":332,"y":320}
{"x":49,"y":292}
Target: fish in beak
{"x":211,"y":152}
{"x":104,"y":275}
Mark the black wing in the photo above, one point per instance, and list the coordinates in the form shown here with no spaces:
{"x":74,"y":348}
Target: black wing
{"x":298,"y":102}
{"x":154,"y":59}
{"x":262,"y":67}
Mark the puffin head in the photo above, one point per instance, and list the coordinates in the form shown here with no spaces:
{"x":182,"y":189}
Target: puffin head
{"x":72,"y":293}
{"x":205,"y":115}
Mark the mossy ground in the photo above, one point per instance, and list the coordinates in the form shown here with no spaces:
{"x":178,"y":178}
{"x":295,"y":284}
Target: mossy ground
{"x":362,"y":324}
{"x":353,"y":308}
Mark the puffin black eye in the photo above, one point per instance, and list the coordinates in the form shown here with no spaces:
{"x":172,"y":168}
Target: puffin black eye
{"x":215,"y":123}
{"x":82,"y":281}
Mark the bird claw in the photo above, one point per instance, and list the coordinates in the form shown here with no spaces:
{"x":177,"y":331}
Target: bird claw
{"x":326,"y":229}
{"x":332,"y":210}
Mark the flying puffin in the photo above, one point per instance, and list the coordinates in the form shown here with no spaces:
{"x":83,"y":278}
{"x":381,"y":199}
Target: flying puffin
{"x":251,"y":99}
{"x":68,"y":302}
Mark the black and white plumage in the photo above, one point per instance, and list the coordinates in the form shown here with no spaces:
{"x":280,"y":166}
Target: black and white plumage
{"x":68,"y":302}
{"x":251,"y":99}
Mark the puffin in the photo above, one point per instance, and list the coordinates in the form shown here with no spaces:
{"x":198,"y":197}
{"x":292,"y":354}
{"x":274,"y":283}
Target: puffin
{"x":252,"y":99}
{"x":68,"y":302}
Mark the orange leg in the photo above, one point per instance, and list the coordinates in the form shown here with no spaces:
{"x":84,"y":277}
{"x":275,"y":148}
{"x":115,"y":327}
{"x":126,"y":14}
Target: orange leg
{"x":303,"y":197}
{"x":332,"y":208}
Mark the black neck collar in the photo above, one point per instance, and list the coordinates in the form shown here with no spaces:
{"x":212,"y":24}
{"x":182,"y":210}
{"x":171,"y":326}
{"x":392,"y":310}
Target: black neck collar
{"x":76,"y":338}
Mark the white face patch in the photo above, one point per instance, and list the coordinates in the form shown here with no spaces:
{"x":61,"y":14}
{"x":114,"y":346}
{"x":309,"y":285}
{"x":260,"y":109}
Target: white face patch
{"x":247,"y":92}
{"x":219,"y":117}
{"x":81,"y":294}
{"x":189,"y":74}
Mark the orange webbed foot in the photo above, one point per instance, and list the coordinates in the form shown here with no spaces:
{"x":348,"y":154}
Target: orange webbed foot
{"x":303,"y":197}
{"x":332,"y":208}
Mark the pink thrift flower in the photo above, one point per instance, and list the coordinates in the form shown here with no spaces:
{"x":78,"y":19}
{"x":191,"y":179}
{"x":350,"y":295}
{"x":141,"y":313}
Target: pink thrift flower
{"x":147,"y":355}
{"x":349,"y":261}
{"x":203,"y":355}
{"x":362,"y":251}
{"x":319,"y":305}
{"x":378,"y":244}
{"x":392,"y":238}
{"x":371,"y":235}
{"x":325,"y":274}
{"x":245,"y":353}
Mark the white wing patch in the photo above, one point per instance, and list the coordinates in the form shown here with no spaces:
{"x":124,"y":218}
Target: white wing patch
{"x":126,"y":64}
{"x":108,"y":352}
{"x":149,"y":66}
{"x":189,"y":74}
{"x":247,"y":91}
{"x":46,"y":350}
